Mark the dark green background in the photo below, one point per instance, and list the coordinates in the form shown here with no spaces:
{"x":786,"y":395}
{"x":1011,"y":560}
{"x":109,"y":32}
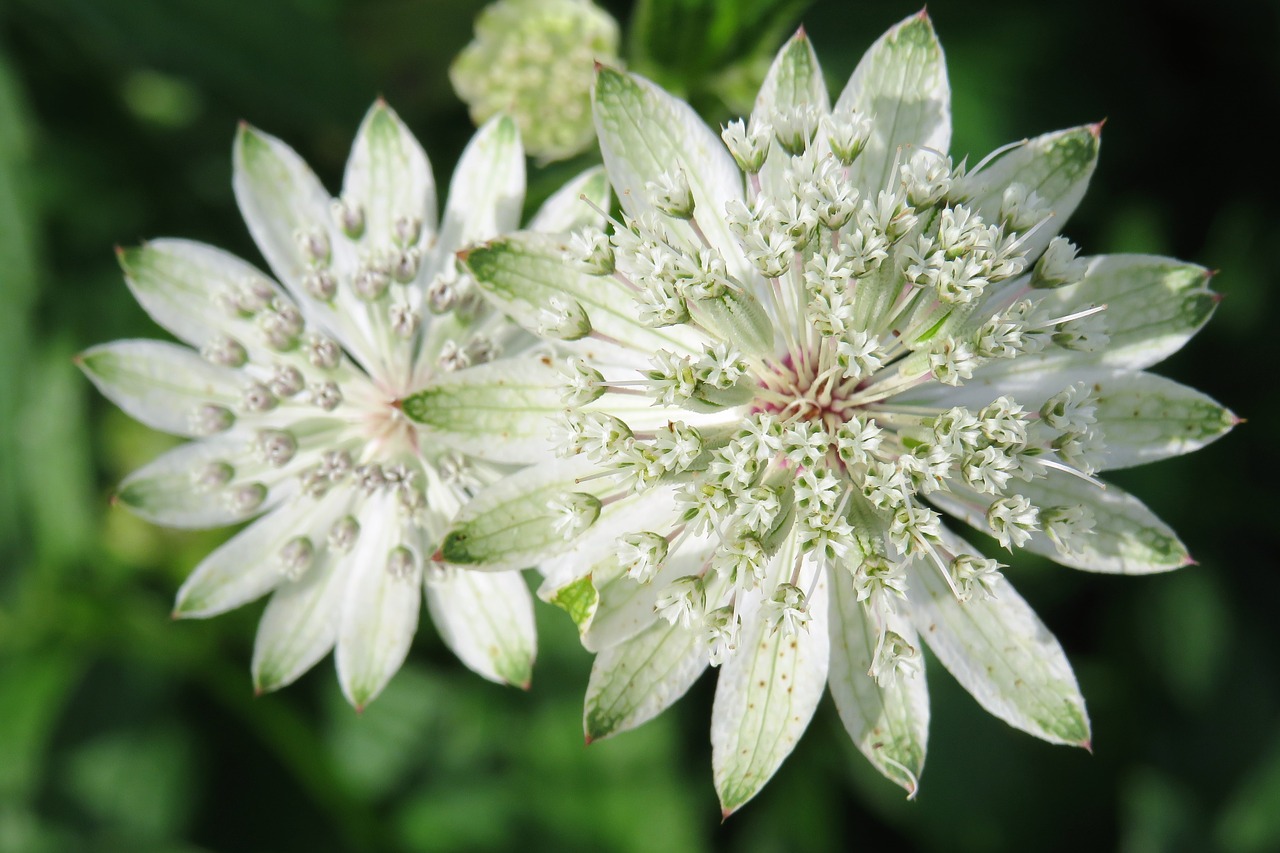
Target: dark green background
{"x":120,"y":730}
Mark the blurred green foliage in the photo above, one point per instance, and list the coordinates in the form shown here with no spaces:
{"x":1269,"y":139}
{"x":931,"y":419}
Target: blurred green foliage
{"x":121,"y":730}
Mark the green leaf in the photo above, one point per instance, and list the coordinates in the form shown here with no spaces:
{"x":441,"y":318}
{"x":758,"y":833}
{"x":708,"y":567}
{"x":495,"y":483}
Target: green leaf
{"x":579,"y":599}
{"x":498,"y":411}
{"x":889,"y":724}
{"x":634,"y":681}
{"x":33,"y":690}
{"x":159,"y":764}
{"x":688,"y":39}
{"x":901,"y":83}
{"x":1000,"y":651}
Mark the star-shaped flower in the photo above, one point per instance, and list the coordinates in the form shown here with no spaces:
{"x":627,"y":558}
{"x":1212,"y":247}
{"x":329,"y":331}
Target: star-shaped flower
{"x":853,"y":335}
{"x":293,"y":390}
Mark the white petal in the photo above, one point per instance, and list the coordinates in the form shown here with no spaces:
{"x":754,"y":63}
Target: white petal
{"x":281,"y":198}
{"x":300,"y":624}
{"x":765,"y":696}
{"x":1145,"y":418}
{"x":487,"y":189}
{"x":653,"y":509}
{"x":166,"y":490}
{"x":161,"y":384}
{"x":248,"y":566}
{"x":380,"y":607}
{"x":1055,"y":166}
{"x":177,"y":282}
{"x":625,"y":607}
{"x":511,"y":524}
{"x":1000,"y":651}
{"x":889,"y":724}
{"x":794,"y":79}
{"x":1154,"y":305}
{"x":644,"y":132}
{"x":389,"y":177}
{"x":566,"y":210}
{"x":523,"y":272}
{"x":486,"y":618}
{"x":901,"y":83}
{"x":1127,"y":538}
{"x":498,"y":411}
{"x":633,"y":682}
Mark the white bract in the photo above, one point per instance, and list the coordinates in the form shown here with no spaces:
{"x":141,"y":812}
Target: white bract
{"x":814,"y":339}
{"x":294,"y":390}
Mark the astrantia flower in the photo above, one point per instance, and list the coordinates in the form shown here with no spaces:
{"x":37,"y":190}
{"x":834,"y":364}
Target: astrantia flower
{"x":813,"y":341}
{"x":532,"y":59}
{"x":294,"y":398}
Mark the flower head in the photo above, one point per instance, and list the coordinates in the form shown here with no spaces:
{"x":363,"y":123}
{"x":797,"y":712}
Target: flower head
{"x":532,"y":59}
{"x":294,"y":391}
{"x":864,"y":336}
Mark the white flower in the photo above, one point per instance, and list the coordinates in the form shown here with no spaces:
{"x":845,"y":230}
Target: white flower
{"x":295,"y":392}
{"x":905,"y":351}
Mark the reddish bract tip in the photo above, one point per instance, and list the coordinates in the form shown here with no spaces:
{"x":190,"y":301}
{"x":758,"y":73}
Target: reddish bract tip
{"x":587,"y":739}
{"x":1189,"y":561}
{"x":1087,"y":746}
{"x":1096,"y":128}
{"x":599,"y":66}
{"x":1217,"y":297}
{"x":923,"y":14}
{"x":258,"y":692}
{"x":1236,"y":420}
{"x":438,"y":556}
{"x":724,"y":814}
{"x":380,"y":102}
{"x":800,"y":33}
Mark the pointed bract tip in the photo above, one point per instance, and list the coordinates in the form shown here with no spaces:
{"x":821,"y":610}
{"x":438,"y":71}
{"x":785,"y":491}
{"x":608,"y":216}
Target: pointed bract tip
{"x":1188,"y":561}
{"x":380,"y":102}
{"x":1087,"y":746}
{"x":801,"y":34}
{"x":78,"y":361}
{"x":1096,"y":128}
{"x":1217,"y":297}
{"x":1236,"y":420}
{"x":175,"y":614}
{"x":526,"y":685}
{"x":597,"y":65}
{"x":463,"y":254}
{"x":724,"y":814}
{"x":114,"y":498}
{"x":259,"y":691}
{"x":438,"y":556}
{"x":923,"y":14}
{"x":587,"y":739}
